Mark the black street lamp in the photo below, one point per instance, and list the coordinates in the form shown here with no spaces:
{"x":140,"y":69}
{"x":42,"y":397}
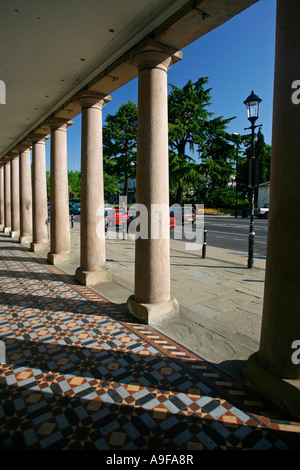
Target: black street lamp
{"x":252,"y":105}
{"x":236,"y":172}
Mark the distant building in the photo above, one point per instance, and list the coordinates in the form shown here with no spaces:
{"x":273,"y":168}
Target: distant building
{"x":263,"y":194}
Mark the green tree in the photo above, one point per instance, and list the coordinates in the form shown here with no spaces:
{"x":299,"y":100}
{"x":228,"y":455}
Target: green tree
{"x":263,"y":156}
{"x":263,"y":153}
{"x":48,"y":184}
{"x":119,"y":143}
{"x":111,"y":186}
{"x":218,"y":153}
{"x":188,"y":114}
{"x":74,"y":182}
{"x":191,"y":127}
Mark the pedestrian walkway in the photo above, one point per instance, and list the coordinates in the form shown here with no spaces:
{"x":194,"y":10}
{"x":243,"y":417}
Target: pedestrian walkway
{"x":78,"y":373}
{"x":220,"y":298}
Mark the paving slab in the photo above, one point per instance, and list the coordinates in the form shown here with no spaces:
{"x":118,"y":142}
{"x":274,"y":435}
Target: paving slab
{"x":218,"y":288}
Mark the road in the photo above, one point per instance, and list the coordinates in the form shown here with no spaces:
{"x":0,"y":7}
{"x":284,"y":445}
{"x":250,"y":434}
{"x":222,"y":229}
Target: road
{"x":233,"y":233}
{"x":227,"y":232}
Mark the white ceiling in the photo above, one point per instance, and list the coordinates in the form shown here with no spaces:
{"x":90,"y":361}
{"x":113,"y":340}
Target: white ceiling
{"x":51,"y":50}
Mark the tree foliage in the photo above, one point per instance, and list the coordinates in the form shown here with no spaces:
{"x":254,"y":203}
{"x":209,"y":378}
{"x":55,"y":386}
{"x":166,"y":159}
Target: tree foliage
{"x":119,"y":143}
{"x":74,"y":182}
{"x":263,"y":155}
{"x":191,"y":127}
{"x":187,"y":108}
{"x":218,"y":153}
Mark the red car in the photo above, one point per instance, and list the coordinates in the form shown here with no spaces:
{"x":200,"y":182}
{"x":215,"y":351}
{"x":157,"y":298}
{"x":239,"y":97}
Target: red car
{"x":132,"y":217}
{"x":116,"y":217}
{"x":172,"y":220}
{"x":184,"y":215}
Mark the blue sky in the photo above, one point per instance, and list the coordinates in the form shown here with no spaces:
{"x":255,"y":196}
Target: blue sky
{"x":238,"y":57}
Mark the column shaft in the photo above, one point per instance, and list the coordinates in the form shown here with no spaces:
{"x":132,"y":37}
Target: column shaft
{"x":92,"y":268}
{"x":40,"y":236}
{"x":15,"y":197}
{"x":152,"y":299}
{"x":272,"y":370}
{"x":1,"y":197}
{"x":60,"y":239}
{"x":7,"y":198}
{"x":25,"y":197}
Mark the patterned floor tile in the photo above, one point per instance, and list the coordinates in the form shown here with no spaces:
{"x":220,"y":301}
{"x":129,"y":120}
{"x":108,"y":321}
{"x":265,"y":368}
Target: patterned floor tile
{"x":79,"y":374}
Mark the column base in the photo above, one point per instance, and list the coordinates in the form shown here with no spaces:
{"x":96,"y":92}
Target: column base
{"x":284,"y":393}
{"x":92,"y":278}
{"x":39,"y":246}
{"x":25,"y":239}
{"x":152,"y":313}
{"x":58,"y":258}
{"x":14,"y":233}
{"x":6,"y":229}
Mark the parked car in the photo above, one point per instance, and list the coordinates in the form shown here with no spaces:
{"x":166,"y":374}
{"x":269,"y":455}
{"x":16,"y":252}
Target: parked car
{"x":115,"y":217}
{"x":132,"y":217}
{"x":74,"y":209}
{"x":184,"y":215}
{"x":172,"y":220}
{"x":262,"y":212}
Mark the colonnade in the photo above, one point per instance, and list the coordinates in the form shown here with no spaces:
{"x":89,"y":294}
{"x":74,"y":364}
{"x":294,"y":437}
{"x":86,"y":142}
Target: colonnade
{"x":23,"y":196}
{"x":274,"y":370}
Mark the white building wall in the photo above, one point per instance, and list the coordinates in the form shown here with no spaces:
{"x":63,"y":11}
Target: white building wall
{"x":263,"y":194}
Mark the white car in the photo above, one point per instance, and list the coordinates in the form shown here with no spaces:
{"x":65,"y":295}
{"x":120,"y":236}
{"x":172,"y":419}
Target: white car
{"x":262,"y":212}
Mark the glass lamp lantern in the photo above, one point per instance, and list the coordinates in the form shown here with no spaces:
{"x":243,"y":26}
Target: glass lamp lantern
{"x":252,"y":105}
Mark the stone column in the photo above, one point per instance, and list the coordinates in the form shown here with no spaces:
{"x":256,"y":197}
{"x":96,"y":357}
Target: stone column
{"x":60,"y":239}
{"x":1,"y":197}
{"x":92,"y":268}
{"x":15,"y":197}
{"x":274,"y":371}
{"x":7,"y":198}
{"x":40,"y":237}
{"x":152,"y":301}
{"x":25,"y":196}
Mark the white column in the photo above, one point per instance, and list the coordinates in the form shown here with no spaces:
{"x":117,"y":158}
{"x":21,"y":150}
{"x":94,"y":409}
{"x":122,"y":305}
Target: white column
{"x":7,"y":198}
{"x":40,"y":237}
{"x":274,"y":371}
{"x":1,"y":197}
{"x":92,"y":268}
{"x":15,"y":197}
{"x":60,"y":238}
{"x":152,"y":300}
{"x":25,"y":196}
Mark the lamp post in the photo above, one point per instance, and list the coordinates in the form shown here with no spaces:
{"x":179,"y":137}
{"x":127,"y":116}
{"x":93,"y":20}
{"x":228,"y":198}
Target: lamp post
{"x":252,"y":106}
{"x":236,"y":172}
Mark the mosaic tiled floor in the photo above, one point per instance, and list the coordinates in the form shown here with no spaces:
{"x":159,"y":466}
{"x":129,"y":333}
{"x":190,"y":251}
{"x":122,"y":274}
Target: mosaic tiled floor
{"x":78,"y":374}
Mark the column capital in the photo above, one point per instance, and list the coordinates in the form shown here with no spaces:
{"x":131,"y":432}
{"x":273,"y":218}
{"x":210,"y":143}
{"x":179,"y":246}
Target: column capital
{"x":153,"y":54}
{"x":88,"y":99}
{"x":13,"y":154}
{"x":26,"y":145}
{"x":55,"y":123}
{"x":36,"y":138}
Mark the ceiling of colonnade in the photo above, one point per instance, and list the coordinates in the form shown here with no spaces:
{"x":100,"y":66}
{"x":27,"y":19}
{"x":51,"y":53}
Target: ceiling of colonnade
{"x":49,"y":51}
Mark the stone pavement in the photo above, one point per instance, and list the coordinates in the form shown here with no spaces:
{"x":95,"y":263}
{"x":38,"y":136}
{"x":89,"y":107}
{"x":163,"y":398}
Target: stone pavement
{"x":220,"y":298}
{"x":78,"y":373}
